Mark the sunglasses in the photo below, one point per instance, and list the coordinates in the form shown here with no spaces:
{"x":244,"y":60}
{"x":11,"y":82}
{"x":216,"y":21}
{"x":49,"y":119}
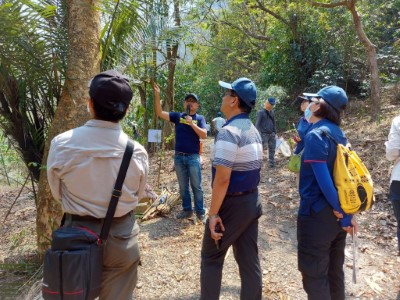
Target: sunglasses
{"x":228,"y":93}
{"x":314,"y":100}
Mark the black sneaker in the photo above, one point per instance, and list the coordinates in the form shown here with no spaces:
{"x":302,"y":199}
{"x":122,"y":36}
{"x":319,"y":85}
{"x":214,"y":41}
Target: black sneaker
{"x":184,"y":214}
{"x":202,"y":218}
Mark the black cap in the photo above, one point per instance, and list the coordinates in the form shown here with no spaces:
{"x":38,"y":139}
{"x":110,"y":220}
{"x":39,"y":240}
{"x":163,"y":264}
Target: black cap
{"x":111,"y":90}
{"x":191,"y":95}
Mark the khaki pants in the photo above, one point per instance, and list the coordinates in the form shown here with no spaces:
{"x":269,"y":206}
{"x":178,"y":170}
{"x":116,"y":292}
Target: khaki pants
{"x":121,"y":256}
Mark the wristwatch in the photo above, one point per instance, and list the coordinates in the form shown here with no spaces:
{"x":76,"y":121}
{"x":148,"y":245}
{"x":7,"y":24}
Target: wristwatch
{"x":213,"y":216}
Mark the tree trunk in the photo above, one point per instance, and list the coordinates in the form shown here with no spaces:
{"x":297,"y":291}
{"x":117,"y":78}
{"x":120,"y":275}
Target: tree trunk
{"x":170,"y":93}
{"x":143,"y":101}
{"x":83,"y":64}
{"x":370,"y":49}
{"x":172,"y":53}
{"x":373,"y":64}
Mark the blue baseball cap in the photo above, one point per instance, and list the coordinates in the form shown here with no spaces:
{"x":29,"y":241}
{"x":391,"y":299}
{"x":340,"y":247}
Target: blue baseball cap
{"x":333,"y":95}
{"x":244,"y":88}
{"x":271,"y":101}
{"x":192,"y":95}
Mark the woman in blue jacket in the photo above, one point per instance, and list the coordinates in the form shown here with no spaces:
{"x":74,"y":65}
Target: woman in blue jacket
{"x":303,"y":126}
{"x":322,"y":225}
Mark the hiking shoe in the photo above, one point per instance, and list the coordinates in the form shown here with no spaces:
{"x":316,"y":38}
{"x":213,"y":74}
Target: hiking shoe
{"x":184,"y":214}
{"x":202,"y":218}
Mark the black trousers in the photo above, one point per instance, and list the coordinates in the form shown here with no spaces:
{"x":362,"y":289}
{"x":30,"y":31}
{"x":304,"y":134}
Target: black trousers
{"x":395,"y":199}
{"x":321,"y":243}
{"x":239,"y":215}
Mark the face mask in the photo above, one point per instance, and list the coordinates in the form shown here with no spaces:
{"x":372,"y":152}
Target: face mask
{"x":308,"y":113}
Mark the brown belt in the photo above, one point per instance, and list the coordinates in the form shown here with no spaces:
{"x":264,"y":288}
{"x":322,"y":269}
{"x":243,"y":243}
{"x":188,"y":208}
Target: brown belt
{"x":234,"y":194}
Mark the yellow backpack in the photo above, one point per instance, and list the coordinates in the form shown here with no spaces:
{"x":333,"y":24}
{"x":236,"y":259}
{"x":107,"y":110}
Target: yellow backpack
{"x":352,"y":180}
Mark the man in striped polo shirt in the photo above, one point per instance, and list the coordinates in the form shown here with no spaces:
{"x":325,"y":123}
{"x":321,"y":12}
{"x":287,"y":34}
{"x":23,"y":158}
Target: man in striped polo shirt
{"x":235,"y":201}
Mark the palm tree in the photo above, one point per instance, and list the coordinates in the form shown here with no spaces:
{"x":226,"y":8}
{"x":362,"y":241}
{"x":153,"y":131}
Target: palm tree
{"x":32,"y":66}
{"x":148,"y":50}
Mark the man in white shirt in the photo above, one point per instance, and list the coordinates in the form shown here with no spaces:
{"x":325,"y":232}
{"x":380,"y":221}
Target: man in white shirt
{"x":82,"y":168}
{"x":393,"y":154}
{"x":218,"y":122}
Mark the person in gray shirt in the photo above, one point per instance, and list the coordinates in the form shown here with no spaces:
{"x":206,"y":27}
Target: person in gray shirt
{"x":266,"y":125}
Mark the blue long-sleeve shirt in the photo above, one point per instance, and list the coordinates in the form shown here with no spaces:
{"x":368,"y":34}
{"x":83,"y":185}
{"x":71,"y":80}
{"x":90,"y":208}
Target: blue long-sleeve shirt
{"x":302,"y":128}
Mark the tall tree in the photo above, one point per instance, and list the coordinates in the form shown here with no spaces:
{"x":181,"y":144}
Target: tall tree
{"x":148,"y":50}
{"x":369,"y":47}
{"x":82,"y":64}
{"x":171,"y":55}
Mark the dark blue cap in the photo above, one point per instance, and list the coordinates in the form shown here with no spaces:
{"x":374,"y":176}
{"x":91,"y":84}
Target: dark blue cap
{"x":333,"y":95}
{"x":271,"y":101}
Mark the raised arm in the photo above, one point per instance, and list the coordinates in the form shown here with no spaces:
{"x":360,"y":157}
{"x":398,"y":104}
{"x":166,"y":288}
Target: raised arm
{"x":157,"y":103}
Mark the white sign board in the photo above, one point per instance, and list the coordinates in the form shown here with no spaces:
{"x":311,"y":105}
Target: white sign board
{"x":154,"y":136}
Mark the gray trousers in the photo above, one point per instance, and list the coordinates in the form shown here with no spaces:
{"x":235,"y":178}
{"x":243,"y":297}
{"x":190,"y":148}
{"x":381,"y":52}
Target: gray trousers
{"x":239,"y":215}
{"x":269,"y":141}
{"x":121,"y":256}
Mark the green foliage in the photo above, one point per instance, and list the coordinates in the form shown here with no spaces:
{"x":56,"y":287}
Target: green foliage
{"x":12,"y":169}
{"x":120,"y":18}
{"x":133,"y":124}
{"x":169,"y":139}
{"x":32,"y":65}
{"x":286,"y":47}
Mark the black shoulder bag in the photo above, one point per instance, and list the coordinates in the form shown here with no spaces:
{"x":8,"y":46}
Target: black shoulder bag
{"x":73,"y":265}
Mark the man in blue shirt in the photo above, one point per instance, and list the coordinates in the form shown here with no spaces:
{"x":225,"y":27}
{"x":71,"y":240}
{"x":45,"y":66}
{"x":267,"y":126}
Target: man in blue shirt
{"x":235,"y":201}
{"x":189,"y":128}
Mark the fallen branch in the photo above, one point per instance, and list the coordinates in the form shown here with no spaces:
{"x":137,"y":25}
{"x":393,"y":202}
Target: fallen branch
{"x":161,"y":206}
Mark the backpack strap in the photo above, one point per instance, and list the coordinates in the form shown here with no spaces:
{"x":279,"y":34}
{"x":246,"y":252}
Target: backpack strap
{"x":116,"y":193}
{"x":348,"y":145}
{"x":326,"y":133}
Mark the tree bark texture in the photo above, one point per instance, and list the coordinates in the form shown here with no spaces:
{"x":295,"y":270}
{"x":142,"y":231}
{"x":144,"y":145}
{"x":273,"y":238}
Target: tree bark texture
{"x":83,"y":64}
{"x":370,"y":49}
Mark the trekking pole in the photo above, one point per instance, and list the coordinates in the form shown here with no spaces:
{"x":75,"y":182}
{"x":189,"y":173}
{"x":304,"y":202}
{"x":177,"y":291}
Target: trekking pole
{"x":354,"y":255}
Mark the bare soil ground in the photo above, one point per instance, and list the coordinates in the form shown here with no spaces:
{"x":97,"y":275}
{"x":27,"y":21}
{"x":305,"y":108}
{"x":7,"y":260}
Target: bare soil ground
{"x":171,"y":248}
